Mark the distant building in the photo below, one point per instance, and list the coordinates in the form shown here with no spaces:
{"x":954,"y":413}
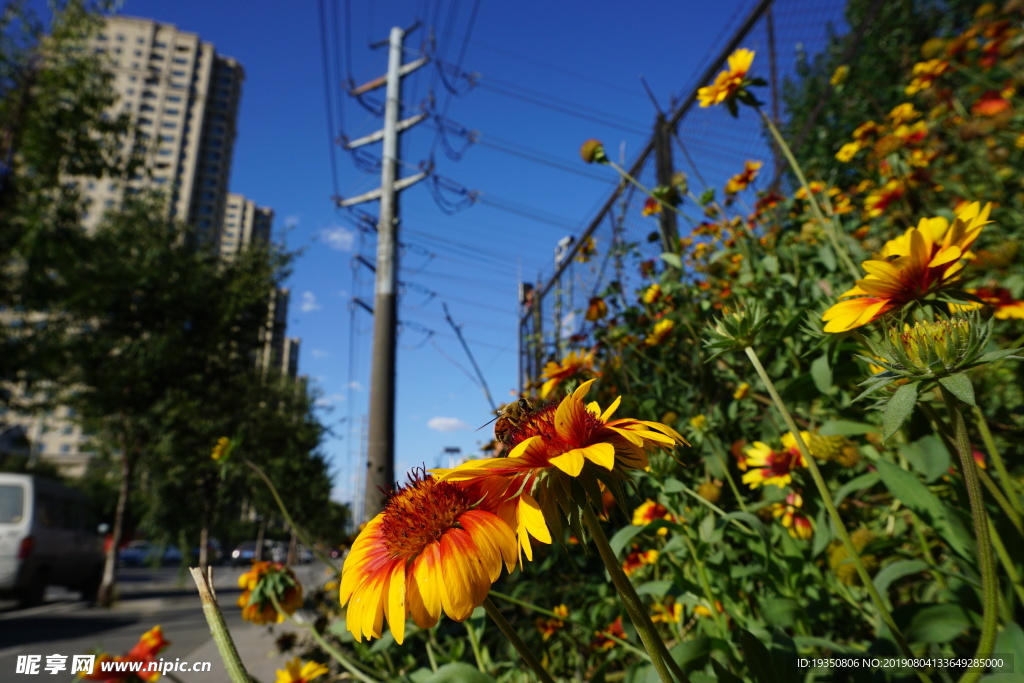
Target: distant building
{"x":244,"y":224}
{"x":183,"y":98}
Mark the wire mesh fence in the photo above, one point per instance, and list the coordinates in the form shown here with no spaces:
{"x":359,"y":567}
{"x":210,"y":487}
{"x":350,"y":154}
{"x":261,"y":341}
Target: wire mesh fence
{"x":706,"y":144}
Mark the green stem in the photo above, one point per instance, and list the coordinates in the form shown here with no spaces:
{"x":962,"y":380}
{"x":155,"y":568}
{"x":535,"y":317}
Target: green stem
{"x":291,"y":522}
{"x":474,"y":643}
{"x":1008,"y":566}
{"x":635,"y":183}
{"x":829,"y":226}
{"x":335,"y":653}
{"x":219,"y":629}
{"x":655,"y":646}
{"x":989,"y":581}
{"x":1001,"y":501}
{"x":833,"y":512}
{"x":997,"y":459}
{"x":517,"y":642}
{"x":530,"y":606}
{"x":706,"y":586}
{"x":719,"y":450}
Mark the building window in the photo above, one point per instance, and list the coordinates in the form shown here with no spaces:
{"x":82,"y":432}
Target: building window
{"x":65,"y":448}
{"x":174,"y":98}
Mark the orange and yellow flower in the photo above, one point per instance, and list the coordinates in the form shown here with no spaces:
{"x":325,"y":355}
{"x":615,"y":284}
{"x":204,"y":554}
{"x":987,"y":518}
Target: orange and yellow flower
{"x":596,"y":309}
{"x":848,"y":151}
{"x":769,"y":467}
{"x":729,"y":83}
{"x":920,"y":262}
{"x":651,"y":207}
{"x":1004,"y":305}
{"x":561,"y":440}
{"x":435,"y":546}
{"x":990,"y":103}
{"x":651,"y":511}
{"x":257,"y":585}
{"x":792,"y":517}
{"x":925,"y":73}
{"x":144,"y":652}
{"x":572,"y":365}
{"x":549,"y":626}
{"x":661,"y":330}
{"x":667,"y":612}
{"x":742,"y":180}
{"x":879,"y":199}
{"x":604,"y":640}
{"x":637,"y":559}
{"x":296,"y":672}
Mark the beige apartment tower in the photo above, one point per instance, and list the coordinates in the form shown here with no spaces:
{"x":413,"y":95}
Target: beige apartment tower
{"x":184,"y":99}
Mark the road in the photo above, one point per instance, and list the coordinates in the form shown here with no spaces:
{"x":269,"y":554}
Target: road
{"x":67,"y":626}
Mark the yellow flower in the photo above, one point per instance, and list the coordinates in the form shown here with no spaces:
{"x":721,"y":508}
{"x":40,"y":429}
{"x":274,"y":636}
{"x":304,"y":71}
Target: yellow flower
{"x":592,"y":151}
{"x":880,"y":199}
{"x":651,"y":511}
{"x":848,"y":151}
{"x":637,"y":559}
{"x":1004,"y":305}
{"x":922,"y":261}
{"x":903,"y":113}
{"x":741,"y":181}
{"x":839,"y":75}
{"x":652,"y":293}
{"x":668,"y":612}
{"x":297,"y":672}
{"x":741,"y":391}
{"x":436,"y":546}
{"x":767,"y":466}
{"x":729,"y":83}
{"x":698,"y":422}
{"x":221,"y":448}
{"x":662,"y":328}
{"x":793,"y":519}
{"x":256,"y":585}
{"x":556,"y":373}
{"x":925,"y":73}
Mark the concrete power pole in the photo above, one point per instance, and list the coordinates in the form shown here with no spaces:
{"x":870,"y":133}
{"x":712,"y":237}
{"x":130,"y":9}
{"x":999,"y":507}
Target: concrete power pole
{"x":380,"y":472}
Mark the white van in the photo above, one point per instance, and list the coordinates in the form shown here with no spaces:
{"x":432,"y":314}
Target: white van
{"x":48,"y":536}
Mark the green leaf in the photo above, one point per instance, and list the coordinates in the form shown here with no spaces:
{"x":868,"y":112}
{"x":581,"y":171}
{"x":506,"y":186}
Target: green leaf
{"x":898,"y":409}
{"x":864,"y":481}
{"x":770,"y":264}
{"x":780,"y":612}
{"x":723,"y":675}
{"x":459,"y":672}
{"x":828,"y":258}
{"x":846,"y":428}
{"x":759,"y":662}
{"x":928,"y":456}
{"x":916,"y":496}
{"x":672,"y":259}
{"x":960,"y":386}
{"x":821,"y":373}
{"x":896,"y":571}
{"x":1010,"y":641}
{"x":656,"y":588}
{"x":934,"y":623}
{"x":691,"y":653}
{"x":998,"y":355}
{"x":623,"y":537}
{"x":673,"y":485}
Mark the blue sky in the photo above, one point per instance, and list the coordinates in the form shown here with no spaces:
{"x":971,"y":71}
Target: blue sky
{"x":538,"y":62}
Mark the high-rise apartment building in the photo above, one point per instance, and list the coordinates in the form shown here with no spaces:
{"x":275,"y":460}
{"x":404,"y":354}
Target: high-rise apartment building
{"x":183,"y":98}
{"x":244,"y":224}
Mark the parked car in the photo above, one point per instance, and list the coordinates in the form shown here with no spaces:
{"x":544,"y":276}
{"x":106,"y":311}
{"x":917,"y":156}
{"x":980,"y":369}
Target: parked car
{"x":245,"y":553}
{"x":214,"y":553}
{"x":147,"y":554}
{"x":48,"y":536}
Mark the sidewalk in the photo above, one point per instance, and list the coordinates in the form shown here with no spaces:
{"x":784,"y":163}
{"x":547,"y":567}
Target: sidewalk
{"x":256,"y":645}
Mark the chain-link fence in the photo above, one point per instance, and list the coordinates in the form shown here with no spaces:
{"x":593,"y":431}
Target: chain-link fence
{"x":706,"y":144}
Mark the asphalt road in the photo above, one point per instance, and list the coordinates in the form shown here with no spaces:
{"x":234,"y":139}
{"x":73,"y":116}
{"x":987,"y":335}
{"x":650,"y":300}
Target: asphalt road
{"x":65,"y":625}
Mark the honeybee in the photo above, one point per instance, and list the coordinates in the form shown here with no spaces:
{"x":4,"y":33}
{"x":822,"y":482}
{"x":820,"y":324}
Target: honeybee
{"x":508,"y":418}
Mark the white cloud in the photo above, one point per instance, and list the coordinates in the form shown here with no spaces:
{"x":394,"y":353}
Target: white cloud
{"x":446,"y":424}
{"x":329,"y":400}
{"x":292,"y":221}
{"x":354,"y":385}
{"x":309,"y":303}
{"x":317,"y":353}
{"x":339,"y":238}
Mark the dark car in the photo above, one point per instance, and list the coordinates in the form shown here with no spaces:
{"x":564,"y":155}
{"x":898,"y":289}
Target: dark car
{"x":147,"y":554}
{"x":245,"y":553}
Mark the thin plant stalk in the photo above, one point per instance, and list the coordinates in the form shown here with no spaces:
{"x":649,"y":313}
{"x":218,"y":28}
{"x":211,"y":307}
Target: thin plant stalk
{"x":474,"y":643}
{"x":221,"y":636}
{"x":336,"y":654}
{"x":517,"y":642}
{"x":655,"y":646}
{"x":1008,"y":566}
{"x":828,"y":225}
{"x":284,"y":511}
{"x":997,"y":459}
{"x":705,"y":585}
{"x":833,"y":512}
{"x":989,"y":581}
{"x":622,"y":172}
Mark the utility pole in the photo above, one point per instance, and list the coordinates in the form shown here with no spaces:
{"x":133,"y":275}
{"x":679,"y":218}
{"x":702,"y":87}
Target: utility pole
{"x":380,"y":470}
{"x":663,"y":167}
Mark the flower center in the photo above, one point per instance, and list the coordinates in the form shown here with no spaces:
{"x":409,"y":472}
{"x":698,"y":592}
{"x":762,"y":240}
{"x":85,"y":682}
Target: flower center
{"x":420,"y":513}
{"x":541,"y":422}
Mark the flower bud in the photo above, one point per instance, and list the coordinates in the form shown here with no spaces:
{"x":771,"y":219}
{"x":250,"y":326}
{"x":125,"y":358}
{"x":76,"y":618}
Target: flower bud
{"x":592,"y":152}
